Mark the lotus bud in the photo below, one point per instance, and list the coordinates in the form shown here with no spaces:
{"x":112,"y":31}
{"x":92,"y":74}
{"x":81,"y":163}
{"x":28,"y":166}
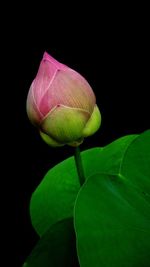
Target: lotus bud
{"x":61,"y":104}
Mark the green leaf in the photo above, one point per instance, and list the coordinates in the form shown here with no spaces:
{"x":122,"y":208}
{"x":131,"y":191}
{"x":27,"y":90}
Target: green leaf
{"x":56,"y":247}
{"x":108,"y":161}
{"x":112,"y":210}
{"x":54,"y":198}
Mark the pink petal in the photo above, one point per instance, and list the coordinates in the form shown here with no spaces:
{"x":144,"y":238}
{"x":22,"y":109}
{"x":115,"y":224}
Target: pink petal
{"x":43,"y":79}
{"x":32,"y":110}
{"x":70,"y":89}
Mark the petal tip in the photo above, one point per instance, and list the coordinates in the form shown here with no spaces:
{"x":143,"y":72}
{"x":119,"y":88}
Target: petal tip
{"x":46,"y":56}
{"x":52,"y":60}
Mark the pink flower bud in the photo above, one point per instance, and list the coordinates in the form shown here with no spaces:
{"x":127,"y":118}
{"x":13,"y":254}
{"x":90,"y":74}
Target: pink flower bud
{"x":61,"y":104}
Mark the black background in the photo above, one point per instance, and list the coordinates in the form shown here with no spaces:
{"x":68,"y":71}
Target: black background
{"x":110,"y":48}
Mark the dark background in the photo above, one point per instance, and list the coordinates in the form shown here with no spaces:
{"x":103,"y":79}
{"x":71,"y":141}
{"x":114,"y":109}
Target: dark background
{"x":111,"y":50}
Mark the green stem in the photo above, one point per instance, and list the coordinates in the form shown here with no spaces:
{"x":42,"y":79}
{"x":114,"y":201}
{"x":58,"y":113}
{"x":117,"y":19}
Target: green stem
{"x":79,"y":165}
